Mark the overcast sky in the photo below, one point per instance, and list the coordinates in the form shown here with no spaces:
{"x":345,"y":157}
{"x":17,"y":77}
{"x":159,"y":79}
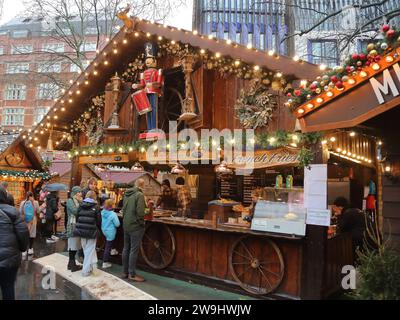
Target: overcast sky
{"x":182,"y":17}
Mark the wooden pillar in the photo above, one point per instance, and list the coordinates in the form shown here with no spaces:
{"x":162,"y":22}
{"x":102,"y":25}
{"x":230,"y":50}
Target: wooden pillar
{"x":76,"y":168}
{"x":76,"y":173}
{"x":379,"y":210}
{"x":314,"y":248}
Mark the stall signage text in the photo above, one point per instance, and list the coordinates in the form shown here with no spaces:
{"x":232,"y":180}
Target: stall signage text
{"x":268,"y":158}
{"x":388,"y":84}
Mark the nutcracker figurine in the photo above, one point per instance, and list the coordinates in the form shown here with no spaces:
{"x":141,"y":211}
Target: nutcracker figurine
{"x":151,"y":83}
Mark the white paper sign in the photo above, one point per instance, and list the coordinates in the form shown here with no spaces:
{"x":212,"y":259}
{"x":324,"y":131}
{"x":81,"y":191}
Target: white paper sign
{"x":318,"y":217}
{"x":315,"y":186}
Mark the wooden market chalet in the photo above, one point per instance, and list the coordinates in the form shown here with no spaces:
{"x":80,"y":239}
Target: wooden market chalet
{"x":99,"y":122}
{"x":22,"y":168}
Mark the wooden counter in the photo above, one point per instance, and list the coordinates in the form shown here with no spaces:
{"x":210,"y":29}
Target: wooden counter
{"x":236,"y":258}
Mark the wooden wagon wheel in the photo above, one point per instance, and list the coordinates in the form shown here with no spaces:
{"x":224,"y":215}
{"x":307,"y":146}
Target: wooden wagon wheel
{"x":158,"y":246}
{"x":258,"y":269}
{"x":171,"y":106}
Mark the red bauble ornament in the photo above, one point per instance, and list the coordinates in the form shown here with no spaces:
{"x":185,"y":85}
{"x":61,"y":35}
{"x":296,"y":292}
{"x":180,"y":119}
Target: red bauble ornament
{"x":363,"y":56}
{"x":313,"y":86}
{"x":289,"y":94}
{"x":377,"y":58}
{"x":355,"y":56}
{"x":385,"y":28}
{"x":348,"y":69}
{"x":339,"y":84}
{"x":334,"y":79}
{"x":368,"y":63}
{"x":359,"y":68}
{"x":297,"y":92}
{"x":390,"y":33}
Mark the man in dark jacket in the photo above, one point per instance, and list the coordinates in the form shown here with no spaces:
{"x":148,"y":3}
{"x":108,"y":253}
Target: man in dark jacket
{"x":51,"y":209}
{"x":88,"y":219}
{"x":133,"y":210}
{"x":14,"y":239}
{"x":10,"y":198}
{"x":350,"y":220}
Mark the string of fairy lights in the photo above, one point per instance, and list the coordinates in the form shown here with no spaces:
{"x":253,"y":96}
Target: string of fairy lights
{"x":331,"y":144}
{"x":262,"y":140}
{"x":114,"y":47}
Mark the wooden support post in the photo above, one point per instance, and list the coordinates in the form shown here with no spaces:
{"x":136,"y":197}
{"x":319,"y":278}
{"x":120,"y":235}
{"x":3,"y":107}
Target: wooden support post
{"x":313,"y":265}
{"x":76,"y":173}
{"x":76,"y":168}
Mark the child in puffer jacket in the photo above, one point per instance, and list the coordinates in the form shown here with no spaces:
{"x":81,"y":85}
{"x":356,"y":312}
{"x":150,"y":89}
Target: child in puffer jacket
{"x":109,"y":225}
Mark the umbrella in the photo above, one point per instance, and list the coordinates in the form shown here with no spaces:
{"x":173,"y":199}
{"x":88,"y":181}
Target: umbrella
{"x":55,"y":187}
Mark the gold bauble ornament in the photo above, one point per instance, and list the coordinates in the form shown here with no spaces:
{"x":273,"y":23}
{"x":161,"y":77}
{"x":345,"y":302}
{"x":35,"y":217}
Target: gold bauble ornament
{"x":373,"y":52}
{"x":345,"y":78}
{"x":370,"y":47}
{"x":339,"y":69}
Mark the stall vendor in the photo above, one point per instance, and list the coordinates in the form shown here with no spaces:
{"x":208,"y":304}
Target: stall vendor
{"x":167,"y":200}
{"x":350,"y":220}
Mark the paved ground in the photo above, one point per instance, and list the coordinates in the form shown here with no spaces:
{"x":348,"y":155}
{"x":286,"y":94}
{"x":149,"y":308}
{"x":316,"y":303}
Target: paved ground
{"x":101,"y":285}
{"x":28,"y":286}
{"x":29,"y":279}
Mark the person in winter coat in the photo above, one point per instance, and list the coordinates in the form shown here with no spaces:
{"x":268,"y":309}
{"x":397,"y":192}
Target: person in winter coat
{"x":133,"y":210}
{"x":74,"y":243}
{"x":14,"y":239}
{"x":351,"y":220}
{"x":10,"y":198}
{"x":29,"y":210}
{"x":52,"y":201}
{"x":87,"y":219}
{"x":109,"y":225}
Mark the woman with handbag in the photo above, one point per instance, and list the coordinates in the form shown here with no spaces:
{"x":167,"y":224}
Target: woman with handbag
{"x":74,"y":243}
{"x":14,"y":239}
{"x":29,"y":209}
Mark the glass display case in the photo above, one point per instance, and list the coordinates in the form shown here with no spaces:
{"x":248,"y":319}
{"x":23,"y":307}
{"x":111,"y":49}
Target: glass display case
{"x":281,"y":210}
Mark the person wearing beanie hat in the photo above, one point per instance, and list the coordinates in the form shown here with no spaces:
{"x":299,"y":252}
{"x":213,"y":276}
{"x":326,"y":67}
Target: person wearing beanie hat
{"x":74,"y":243}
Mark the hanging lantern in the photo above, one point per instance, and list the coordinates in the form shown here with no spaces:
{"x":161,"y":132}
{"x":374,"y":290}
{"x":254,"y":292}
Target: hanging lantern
{"x":178,"y":169}
{"x":222,"y":168}
{"x":137,"y":167}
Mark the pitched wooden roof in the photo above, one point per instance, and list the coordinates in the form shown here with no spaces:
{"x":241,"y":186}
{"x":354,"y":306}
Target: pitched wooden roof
{"x":125,"y":46}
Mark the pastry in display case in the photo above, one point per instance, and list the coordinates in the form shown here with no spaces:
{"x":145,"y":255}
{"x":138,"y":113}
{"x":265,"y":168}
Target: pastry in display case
{"x":280,"y":217}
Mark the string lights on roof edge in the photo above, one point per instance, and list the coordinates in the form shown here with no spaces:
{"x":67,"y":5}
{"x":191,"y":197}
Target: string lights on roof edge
{"x":125,"y":36}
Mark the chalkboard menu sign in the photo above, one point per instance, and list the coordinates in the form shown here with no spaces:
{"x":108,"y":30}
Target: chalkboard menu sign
{"x":249,"y":184}
{"x":228,"y":187}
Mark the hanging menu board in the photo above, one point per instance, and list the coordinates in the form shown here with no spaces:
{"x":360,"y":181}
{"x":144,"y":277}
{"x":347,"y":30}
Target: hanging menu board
{"x":249,"y":183}
{"x":228,"y":187}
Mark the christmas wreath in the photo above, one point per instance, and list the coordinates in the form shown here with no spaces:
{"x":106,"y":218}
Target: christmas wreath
{"x":255,"y":106}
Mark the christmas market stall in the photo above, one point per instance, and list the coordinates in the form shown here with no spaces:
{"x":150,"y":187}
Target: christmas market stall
{"x":130,"y":109}
{"x":358,"y":107}
{"x":22,"y":168}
